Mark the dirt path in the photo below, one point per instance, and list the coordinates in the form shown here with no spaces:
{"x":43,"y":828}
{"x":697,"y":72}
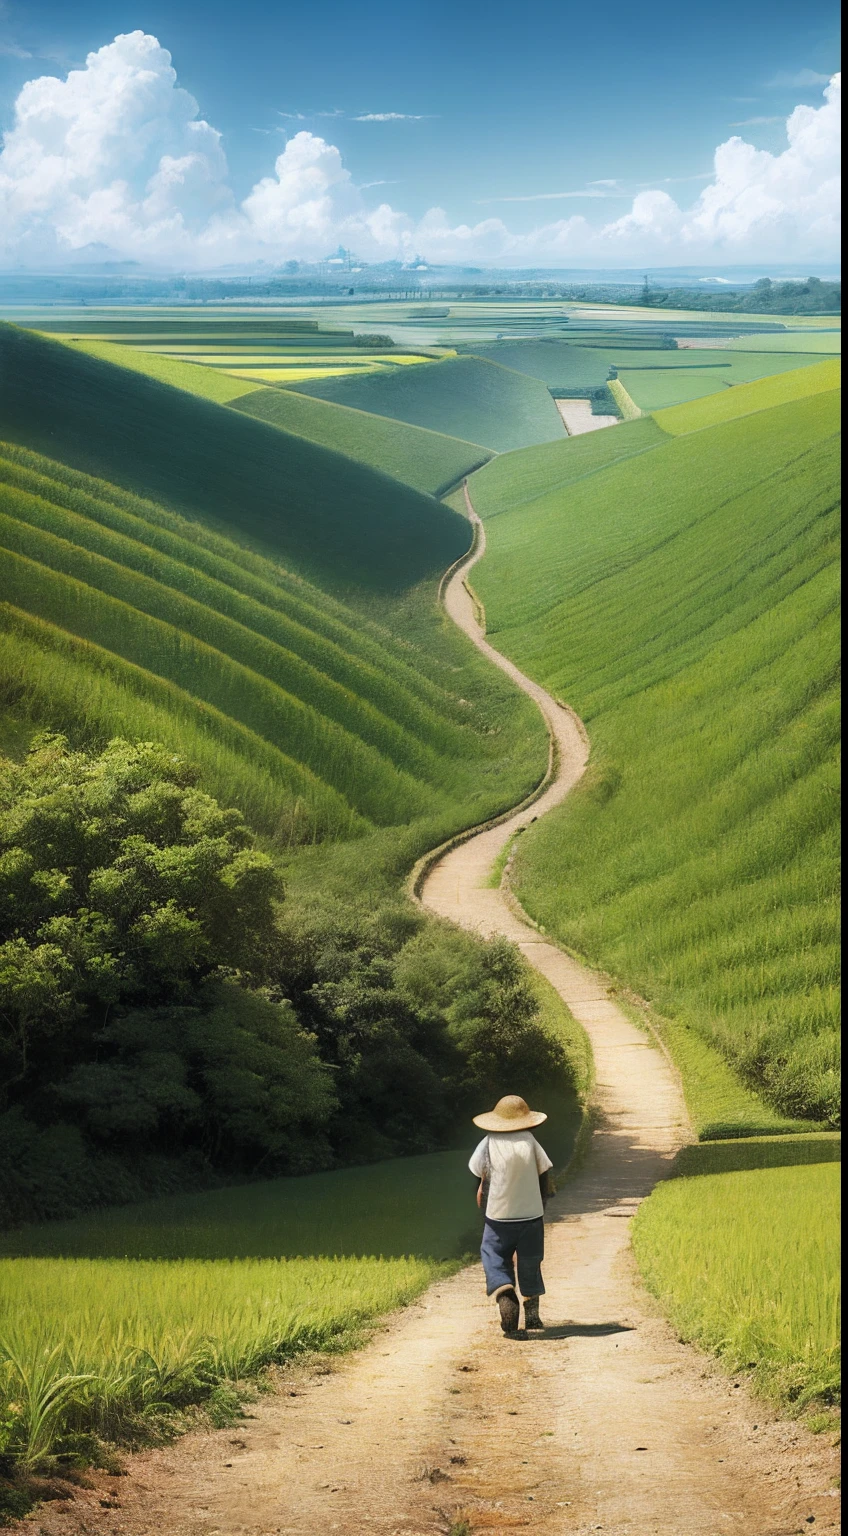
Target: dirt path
{"x":605,"y":1423}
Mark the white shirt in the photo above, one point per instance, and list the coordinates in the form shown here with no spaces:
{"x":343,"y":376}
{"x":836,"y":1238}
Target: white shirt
{"x":512,"y":1162}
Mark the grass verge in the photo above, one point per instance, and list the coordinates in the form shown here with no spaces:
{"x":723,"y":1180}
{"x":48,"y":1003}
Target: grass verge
{"x":741,"y":1248}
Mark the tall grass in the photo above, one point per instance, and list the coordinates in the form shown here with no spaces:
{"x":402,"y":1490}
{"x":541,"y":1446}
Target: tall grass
{"x":746,"y":1262}
{"x":104,"y":1345}
{"x":685,"y":602}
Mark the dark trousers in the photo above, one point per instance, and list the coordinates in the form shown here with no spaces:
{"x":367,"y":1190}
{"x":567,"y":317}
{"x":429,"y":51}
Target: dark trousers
{"x":507,"y":1244}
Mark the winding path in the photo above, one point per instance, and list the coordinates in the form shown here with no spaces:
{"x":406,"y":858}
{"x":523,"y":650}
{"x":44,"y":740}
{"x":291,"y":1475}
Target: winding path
{"x":440,"y":1424}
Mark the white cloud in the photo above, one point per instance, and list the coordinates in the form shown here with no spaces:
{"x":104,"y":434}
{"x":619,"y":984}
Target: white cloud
{"x":798,"y":79}
{"x":756,"y":122}
{"x":390,"y":117}
{"x":116,"y":153}
{"x":117,"y":156}
{"x":545,"y":197}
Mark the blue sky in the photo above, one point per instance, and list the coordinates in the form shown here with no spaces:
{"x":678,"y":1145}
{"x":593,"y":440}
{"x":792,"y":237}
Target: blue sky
{"x":487,"y":112}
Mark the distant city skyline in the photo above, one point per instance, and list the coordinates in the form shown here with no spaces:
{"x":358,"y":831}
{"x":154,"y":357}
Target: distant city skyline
{"x":197,"y":137}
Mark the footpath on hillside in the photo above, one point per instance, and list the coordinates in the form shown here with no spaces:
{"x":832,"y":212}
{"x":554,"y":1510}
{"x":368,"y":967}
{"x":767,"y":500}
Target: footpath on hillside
{"x":605,"y":1422}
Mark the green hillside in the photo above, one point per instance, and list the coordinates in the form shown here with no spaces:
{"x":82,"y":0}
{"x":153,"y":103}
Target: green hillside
{"x":122,"y":618}
{"x":514,"y":478}
{"x":330,"y":517}
{"x":208,"y":383}
{"x":468,"y":397}
{"x":654,"y":387}
{"x":796,"y":384}
{"x":429,"y":461}
{"x":684,"y":601}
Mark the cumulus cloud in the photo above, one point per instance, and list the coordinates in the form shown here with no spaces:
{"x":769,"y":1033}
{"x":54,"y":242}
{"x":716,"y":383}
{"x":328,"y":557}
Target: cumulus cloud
{"x":117,"y":156}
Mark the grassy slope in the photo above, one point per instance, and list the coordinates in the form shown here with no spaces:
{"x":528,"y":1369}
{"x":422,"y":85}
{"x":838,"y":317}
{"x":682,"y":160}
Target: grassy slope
{"x":467,"y":396}
{"x":121,"y":617}
{"x":684,"y":601}
{"x":208,"y":383}
{"x":655,"y":388}
{"x":797,"y":384}
{"x":429,"y":461}
{"x":515,"y":478}
{"x":331,"y":518}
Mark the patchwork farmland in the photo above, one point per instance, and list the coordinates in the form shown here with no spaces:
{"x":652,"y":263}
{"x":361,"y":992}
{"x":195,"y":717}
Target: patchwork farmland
{"x":223,"y":529}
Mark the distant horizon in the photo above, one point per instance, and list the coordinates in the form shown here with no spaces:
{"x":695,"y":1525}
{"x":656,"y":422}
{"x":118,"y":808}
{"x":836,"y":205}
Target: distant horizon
{"x":731,"y":274}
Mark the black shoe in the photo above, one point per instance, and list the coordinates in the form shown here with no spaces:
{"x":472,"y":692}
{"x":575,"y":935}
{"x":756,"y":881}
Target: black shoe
{"x":532,"y":1319}
{"x":508,"y":1308}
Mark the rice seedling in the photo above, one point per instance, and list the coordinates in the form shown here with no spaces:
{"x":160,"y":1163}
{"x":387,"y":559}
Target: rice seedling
{"x":109,"y":1346}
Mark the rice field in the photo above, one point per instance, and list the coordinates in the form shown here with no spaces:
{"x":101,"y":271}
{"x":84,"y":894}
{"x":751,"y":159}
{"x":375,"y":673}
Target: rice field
{"x":470,"y":397}
{"x":108,"y":1347}
{"x":795,"y":384}
{"x":331,"y":518}
{"x":122,"y":1314}
{"x":273,"y":350}
{"x":655,"y":387}
{"x":121,"y":617}
{"x":684,"y":600}
{"x":741,"y":1247}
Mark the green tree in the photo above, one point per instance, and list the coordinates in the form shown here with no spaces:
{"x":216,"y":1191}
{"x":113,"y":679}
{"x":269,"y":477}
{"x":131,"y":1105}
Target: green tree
{"x":121,"y":883}
{"x":138,"y":924}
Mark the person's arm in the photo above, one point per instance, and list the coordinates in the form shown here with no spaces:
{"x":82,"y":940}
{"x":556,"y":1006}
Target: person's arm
{"x":544,"y":1168}
{"x":479,"y":1166}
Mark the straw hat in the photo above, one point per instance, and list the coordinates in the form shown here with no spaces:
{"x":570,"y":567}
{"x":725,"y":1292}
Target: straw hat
{"x":510,"y":1114}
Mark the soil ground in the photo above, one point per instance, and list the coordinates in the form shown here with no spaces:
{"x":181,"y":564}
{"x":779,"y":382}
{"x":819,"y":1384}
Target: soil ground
{"x":605,"y":1422}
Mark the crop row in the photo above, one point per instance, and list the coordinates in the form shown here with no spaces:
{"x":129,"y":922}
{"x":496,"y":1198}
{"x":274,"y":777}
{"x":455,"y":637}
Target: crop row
{"x":207,"y":610}
{"x":312,"y":624}
{"x":86,"y":691}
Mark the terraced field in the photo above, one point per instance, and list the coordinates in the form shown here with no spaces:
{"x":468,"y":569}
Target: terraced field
{"x":123,"y":616}
{"x":683,"y":600}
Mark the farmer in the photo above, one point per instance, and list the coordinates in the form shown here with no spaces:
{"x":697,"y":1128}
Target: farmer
{"x":514,"y":1187}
